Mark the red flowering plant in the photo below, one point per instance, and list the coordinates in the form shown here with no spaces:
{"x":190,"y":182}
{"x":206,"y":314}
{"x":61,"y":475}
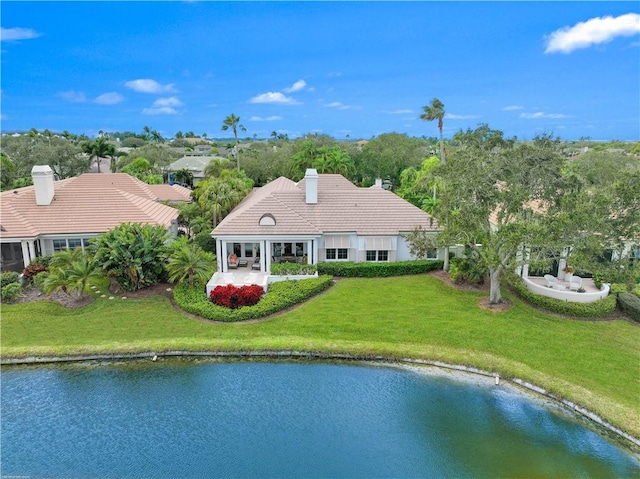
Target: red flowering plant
{"x":233,"y":297}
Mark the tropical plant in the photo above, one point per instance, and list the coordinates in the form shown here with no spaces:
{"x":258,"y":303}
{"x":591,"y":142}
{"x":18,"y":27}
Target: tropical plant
{"x":233,"y":122}
{"x":73,"y":277}
{"x":435,"y":111}
{"x":189,"y":261}
{"x":133,"y":253}
{"x":99,"y":149}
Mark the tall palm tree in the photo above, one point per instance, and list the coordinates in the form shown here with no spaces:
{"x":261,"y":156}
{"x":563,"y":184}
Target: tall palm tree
{"x":435,"y":111}
{"x":233,"y":122}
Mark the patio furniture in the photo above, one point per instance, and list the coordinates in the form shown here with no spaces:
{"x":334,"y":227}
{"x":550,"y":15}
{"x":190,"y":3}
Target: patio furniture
{"x":233,"y":262}
{"x":242,"y":263}
{"x":551,"y":281}
{"x":575,"y":283}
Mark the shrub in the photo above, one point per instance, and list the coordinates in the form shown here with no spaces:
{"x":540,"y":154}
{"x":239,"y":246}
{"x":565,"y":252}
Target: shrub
{"x":279,"y":296}
{"x":32,"y":270}
{"x":372,"y":270}
{"x":466,"y":270}
{"x":8,"y":278}
{"x":39,"y":279}
{"x":233,"y":297}
{"x":597,"y":309}
{"x":287,"y":268}
{"x":630,"y":304}
{"x":10,"y":292}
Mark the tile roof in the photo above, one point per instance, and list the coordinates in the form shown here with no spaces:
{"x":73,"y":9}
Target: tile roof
{"x":341,"y":207}
{"x":89,"y":203}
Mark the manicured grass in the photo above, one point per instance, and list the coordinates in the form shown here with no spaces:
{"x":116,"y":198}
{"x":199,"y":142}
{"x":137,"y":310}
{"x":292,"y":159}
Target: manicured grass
{"x":594,"y":363}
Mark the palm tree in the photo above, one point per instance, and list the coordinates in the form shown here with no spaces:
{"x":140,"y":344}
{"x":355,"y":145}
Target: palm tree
{"x":232,"y":122}
{"x":100,"y":149}
{"x":190,"y":261}
{"x":72,"y":275}
{"x":435,"y":111}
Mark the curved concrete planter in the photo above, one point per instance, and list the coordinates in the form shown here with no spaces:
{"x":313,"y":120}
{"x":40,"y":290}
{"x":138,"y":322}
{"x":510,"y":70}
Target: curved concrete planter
{"x":565,"y":295}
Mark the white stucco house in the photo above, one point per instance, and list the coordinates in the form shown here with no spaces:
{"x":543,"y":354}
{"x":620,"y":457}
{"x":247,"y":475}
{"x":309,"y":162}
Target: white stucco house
{"x":324,"y":217}
{"x":53,"y":215}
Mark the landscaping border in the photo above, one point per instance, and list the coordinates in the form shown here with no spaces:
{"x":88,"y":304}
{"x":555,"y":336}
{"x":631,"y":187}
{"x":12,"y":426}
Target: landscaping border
{"x":311,"y":355}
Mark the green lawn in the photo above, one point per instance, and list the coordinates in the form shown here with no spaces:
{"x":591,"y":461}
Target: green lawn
{"x":594,"y":363}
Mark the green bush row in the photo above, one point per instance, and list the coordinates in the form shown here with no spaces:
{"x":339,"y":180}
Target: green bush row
{"x":10,"y":292}
{"x":279,"y":296}
{"x":8,"y":278}
{"x":375,"y":270}
{"x":597,"y":309}
{"x":630,"y":304}
{"x":287,"y":268}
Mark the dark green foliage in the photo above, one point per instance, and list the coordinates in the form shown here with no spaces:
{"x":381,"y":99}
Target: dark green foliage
{"x":292,"y":268}
{"x":279,"y":296}
{"x":600,"y":308}
{"x":205,"y":241}
{"x":376,"y":270}
{"x":133,"y":253}
{"x":10,"y":292}
{"x":468,"y":269}
{"x":8,"y":278}
{"x":629,"y":303}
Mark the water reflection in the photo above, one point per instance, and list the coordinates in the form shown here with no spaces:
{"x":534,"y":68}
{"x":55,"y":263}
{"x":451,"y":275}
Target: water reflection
{"x":207,"y":419}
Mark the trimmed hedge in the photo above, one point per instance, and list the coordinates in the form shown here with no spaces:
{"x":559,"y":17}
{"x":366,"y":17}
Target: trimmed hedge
{"x":283,"y":269}
{"x":598,"y":309}
{"x":280,"y":296}
{"x":630,"y":304}
{"x":376,"y":270}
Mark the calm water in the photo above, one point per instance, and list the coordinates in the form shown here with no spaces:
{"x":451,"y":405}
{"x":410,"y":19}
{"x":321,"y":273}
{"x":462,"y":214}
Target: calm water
{"x":187,"y":419}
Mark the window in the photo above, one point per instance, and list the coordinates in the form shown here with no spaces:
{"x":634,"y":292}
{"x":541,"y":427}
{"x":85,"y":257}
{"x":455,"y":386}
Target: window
{"x":248,"y":250}
{"x":74,"y":243}
{"x":299,"y":250}
{"x":85,"y":242}
{"x":432,"y":253}
{"x":59,"y":245}
{"x":377,"y":255}
{"x":337,"y":253}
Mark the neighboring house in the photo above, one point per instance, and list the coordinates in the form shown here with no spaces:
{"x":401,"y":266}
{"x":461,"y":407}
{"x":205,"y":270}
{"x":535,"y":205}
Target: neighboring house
{"x":321,"y":218}
{"x":54,"y":215}
{"x":195,"y":164}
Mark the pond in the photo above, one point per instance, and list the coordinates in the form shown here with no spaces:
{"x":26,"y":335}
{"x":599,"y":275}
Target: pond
{"x":206,"y":419}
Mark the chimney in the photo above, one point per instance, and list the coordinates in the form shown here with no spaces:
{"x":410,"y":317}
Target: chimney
{"x":42,"y":176}
{"x":378,"y":182}
{"x":311,"y":186}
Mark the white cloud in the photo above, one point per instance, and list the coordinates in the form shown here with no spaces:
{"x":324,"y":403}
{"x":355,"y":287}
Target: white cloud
{"x":269,"y":118}
{"x":110,"y":98}
{"x":541,"y":114}
{"x":512,"y":108}
{"x":398,"y":112}
{"x":273,"y":97}
{"x":340,"y":106}
{"x":170,"y":101}
{"x":452,"y":116}
{"x":163,"y":110}
{"x":297,"y":86}
{"x":592,"y":32}
{"x":72,"y":96}
{"x":13,"y":34}
{"x":146,"y":85}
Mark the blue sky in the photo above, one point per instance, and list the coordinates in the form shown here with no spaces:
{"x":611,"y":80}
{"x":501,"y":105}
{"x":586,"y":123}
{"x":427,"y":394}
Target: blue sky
{"x":355,"y":69}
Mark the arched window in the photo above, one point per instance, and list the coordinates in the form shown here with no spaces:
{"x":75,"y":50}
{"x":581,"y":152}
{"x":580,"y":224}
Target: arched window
{"x":267,"y":219}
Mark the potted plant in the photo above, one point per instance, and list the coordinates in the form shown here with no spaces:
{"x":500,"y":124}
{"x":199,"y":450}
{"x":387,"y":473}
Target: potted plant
{"x":568,"y":272}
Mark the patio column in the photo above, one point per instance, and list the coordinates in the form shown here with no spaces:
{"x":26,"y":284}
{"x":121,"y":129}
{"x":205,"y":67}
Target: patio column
{"x":527,"y":258}
{"x":267,"y":257}
{"x":224,"y":255}
{"x":315,"y":251}
{"x":26,"y":257}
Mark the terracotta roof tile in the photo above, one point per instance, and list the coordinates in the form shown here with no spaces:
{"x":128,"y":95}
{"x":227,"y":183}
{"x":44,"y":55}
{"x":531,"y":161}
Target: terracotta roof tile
{"x":90,"y":203}
{"x":341,"y":207}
